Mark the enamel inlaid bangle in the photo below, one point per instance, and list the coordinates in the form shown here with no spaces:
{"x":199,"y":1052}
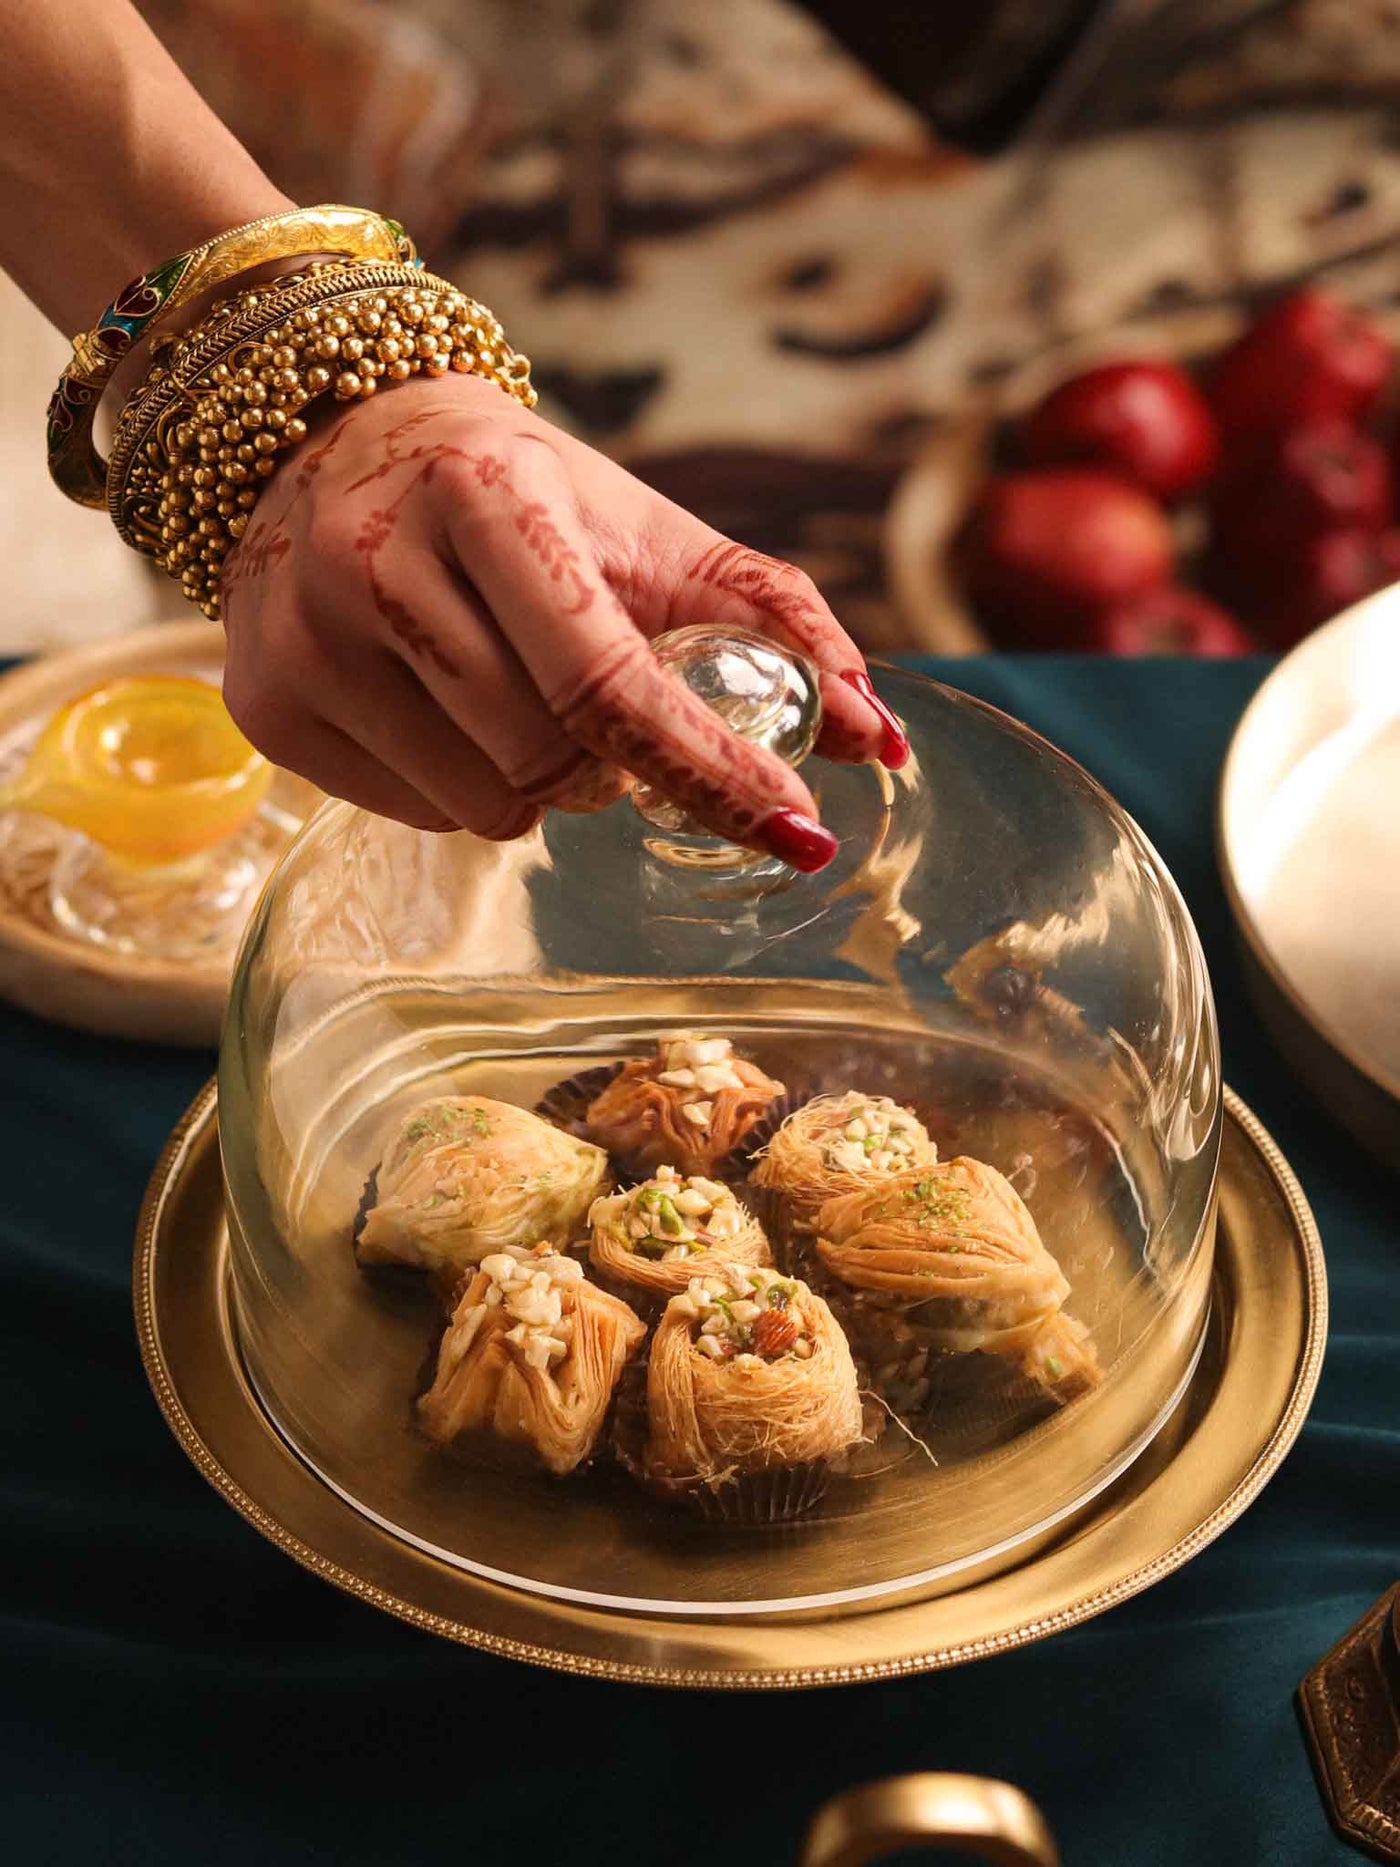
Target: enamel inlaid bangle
{"x":198,"y":441}
{"x":150,"y":301}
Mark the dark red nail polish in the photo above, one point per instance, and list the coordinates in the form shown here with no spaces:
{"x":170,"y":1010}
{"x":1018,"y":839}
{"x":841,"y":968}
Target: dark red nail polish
{"x":796,"y":840}
{"x":894,"y":750}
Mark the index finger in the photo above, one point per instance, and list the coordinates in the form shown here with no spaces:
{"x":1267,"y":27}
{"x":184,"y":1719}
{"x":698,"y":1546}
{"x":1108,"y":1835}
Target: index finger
{"x":512,"y":522}
{"x":729,"y":581}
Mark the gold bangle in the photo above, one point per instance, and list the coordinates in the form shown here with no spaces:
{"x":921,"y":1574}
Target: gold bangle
{"x":198,"y":442}
{"x":150,"y":301}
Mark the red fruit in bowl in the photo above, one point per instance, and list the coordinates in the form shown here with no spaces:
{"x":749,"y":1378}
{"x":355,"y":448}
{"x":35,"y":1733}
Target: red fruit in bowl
{"x":1171,"y":621}
{"x":1287,"y":488}
{"x":1309,"y":357}
{"x":1146,"y":420}
{"x":1042,"y":554}
{"x":1328,"y":476}
{"x":1329,"y":574}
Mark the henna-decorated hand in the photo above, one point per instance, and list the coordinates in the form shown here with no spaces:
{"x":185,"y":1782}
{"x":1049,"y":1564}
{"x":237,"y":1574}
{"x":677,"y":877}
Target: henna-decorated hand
{"x":441,"y":612}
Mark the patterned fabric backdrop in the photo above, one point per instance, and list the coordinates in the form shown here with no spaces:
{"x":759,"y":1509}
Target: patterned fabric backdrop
{"x":745,"y":266}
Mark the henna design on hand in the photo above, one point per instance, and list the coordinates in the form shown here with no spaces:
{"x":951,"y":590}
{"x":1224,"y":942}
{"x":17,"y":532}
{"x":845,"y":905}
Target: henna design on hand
{"x":264,"y":546}
{"x":757,"y":581}
{"x":378,"y":527}
{"x":389,"y":440}
{"x":616,"y":710}
{"x":627,"y":701}
{"x":544,"y":539}
{"x":259,"y":551}
{"x":531,"y":517}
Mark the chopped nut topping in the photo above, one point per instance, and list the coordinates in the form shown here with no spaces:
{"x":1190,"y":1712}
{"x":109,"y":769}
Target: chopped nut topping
{"x":671,"y":1217}
{"x":774,"y":1332}
{"x":700,"y":1067}
{"x":743,"y":1316}
{"x":877,"y":1137}
{"x":529,"y":1284}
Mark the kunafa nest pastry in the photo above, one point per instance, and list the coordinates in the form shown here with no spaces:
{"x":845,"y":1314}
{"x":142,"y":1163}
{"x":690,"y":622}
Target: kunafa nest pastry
{"x":835,"y":1144}
{"x":530,"y":1360}
{"x":925,"y":1280}
{"x":465,"y":1176}
{"x":689,"y":1107}
{"x":751,"y":1396}
{"x":952,"y":1253}
{"x":649,"y":1241}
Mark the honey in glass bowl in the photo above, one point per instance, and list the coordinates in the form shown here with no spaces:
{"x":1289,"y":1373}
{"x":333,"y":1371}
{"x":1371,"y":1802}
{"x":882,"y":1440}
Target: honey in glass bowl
{"x":160,"y":791}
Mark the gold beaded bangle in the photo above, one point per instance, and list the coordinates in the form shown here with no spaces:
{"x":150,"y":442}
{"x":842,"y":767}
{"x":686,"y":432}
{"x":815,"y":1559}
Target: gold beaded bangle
{"x":198,"y":441}
{"x":150,"y":301}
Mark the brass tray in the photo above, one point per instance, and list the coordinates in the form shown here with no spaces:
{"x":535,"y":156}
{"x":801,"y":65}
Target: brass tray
{"x":1309,"y":843}
{"x":1241,"y":1413}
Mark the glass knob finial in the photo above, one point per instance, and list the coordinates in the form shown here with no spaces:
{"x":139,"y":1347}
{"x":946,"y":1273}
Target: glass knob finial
{"x":765,"y":693}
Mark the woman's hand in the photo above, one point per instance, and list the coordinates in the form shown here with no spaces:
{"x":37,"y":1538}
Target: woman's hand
{"x":441,"y":609}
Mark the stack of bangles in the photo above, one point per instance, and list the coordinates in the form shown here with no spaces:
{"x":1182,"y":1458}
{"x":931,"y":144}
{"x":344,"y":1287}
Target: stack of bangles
{"x":224,"y":400}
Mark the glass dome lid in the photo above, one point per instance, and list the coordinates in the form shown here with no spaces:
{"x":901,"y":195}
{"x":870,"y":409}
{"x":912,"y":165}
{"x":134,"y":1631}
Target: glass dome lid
{"x":633,"y":1220}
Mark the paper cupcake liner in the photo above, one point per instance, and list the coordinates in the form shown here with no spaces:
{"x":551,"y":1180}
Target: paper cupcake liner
{"x":769,"y":1497}
{"x":981,"y":1399}
{"x":789,"y":1231}
{"x":566,"y":1104}
{"x":776,"y":1496}
{"x":482,"y":1450}
{"x":628,"y":1427}
{"x":369,"y":1198}
{"x":983,"y":1394}
{"x":738,"y":1161}
{"x":644,"y":1302}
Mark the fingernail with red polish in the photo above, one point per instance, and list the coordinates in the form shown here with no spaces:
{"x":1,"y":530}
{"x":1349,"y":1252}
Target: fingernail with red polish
{"x":796,"y":840}
{"x":894,"y":750}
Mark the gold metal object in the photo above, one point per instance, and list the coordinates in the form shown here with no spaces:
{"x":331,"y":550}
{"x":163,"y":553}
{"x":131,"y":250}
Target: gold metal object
{"x":1241,"y":1413}
{"x":1350,"y":1703}
{"x":148,"y":302}
{"x":962,"y":1814}
{"x":196,"y":445}
{"x":1309,"y":845}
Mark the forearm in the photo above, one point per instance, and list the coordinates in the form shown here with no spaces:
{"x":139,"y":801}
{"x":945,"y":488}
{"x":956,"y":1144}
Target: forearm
{"x":109,"y":159}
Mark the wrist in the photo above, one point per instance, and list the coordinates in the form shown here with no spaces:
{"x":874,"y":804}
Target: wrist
{"x":160,"y":303}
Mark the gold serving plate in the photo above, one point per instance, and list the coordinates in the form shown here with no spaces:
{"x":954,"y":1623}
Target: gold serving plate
{"x":1237,"y":1419}
{"x":1309,"y":835}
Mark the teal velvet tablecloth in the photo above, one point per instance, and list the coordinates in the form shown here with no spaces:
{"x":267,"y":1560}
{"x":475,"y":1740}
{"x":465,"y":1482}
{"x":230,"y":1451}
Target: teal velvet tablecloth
{"x":175,"y":1690}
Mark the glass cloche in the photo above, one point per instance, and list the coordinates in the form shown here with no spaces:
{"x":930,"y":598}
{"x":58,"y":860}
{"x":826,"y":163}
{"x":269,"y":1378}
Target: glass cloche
{"x":630,"y":1219}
